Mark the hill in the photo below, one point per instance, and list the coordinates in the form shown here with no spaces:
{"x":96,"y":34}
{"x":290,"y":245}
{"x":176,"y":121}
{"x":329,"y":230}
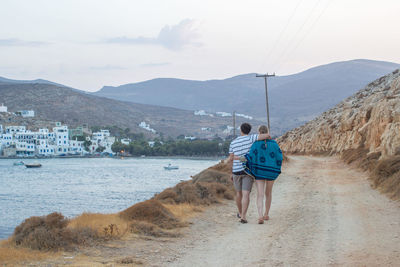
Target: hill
{"x":41,"y":81}
{"x":294,"y":99}
{"x":364,"y":128}
{"x":73,"y":107}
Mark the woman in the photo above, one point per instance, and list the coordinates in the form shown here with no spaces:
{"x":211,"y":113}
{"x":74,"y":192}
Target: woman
{"x":264,"y":162}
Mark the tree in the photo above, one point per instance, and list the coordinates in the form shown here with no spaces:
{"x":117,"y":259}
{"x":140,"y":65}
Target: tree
{"x":100,"y":149}
{"x":87,"y":144}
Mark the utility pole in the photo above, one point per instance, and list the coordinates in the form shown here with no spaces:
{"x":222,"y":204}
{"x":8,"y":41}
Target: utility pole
{"x":234,"y":124}
{"x":265,"y":76}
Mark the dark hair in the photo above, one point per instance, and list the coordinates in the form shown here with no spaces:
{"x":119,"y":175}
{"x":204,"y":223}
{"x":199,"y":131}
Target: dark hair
{"x":245,"y":128}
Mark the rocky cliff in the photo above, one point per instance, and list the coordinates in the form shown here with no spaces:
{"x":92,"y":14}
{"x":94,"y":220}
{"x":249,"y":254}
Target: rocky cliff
{"x":364,"y":129}
{"x":369,"y":119}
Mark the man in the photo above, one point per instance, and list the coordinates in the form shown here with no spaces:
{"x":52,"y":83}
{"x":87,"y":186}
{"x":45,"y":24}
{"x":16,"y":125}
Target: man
{"x":241,"y":180}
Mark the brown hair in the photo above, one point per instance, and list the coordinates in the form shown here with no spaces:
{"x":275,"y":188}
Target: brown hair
{"x":263,"y":129}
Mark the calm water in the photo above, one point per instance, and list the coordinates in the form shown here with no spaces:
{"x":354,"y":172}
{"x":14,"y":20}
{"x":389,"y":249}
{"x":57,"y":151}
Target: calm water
{"x":73,"y":186}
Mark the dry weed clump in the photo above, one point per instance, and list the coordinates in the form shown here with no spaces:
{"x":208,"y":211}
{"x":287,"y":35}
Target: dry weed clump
{"x":210,"y":175}
{"x":107,"y":226}
{"x":385,"y":173}
{"x":196,"y":193}
{"x":354,"y":155}
{"x":51,"y":233}
{"x":12,"y":256}
{"x":207,"y":187}
{"x":222,"y":167}
{"x":386,"y":176}
{"x":150,"y":229}
{"x":151,"y":211}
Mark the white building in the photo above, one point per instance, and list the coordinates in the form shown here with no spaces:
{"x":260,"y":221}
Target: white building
{"x":1,"y":128}
{"x":126,"y":141}
{"x":45,"y":150}
{"x":190,"y":138}
{"x":15,"y":129}
{"x":61,"y":139}
{"x":25,"y":148}
{"x":26,"y":113}
{"x":76,"y":147}
{"x":45,"y":143}
{"x":146,"y":126}
{"x":102,"y":139}
{"x":3,"y":108}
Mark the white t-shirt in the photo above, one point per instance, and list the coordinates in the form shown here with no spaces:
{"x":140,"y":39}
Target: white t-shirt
{"x":240,"y":147}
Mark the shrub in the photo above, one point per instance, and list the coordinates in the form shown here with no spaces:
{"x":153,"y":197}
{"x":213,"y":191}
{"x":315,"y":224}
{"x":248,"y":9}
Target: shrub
{"x":151,"y":211}
{"x":50,"y":233}
{"x":150,"y":229}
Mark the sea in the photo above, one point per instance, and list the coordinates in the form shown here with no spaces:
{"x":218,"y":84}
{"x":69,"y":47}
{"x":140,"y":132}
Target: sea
{"x":76,"y":185}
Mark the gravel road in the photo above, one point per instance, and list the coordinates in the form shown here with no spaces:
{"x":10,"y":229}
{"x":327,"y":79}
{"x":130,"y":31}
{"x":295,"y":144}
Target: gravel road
{"x":323,"y":213}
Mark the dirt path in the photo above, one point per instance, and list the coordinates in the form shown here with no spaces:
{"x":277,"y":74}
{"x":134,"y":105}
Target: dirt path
{"x":323,"y":213}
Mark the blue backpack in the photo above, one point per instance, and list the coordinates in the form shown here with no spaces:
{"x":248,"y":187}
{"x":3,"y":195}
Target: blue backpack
{"x":264,"y":160}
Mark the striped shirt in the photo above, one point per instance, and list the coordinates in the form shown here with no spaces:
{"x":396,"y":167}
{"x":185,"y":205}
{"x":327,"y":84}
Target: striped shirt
{"x":240,"y":147}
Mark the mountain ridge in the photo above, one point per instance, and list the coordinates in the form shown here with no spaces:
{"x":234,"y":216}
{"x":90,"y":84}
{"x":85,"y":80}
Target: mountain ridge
{"x":58,"y":103}
{"x":294,"y":99}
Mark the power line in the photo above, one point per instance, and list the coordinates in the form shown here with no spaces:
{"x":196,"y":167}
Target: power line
{"x":308,"y":32}
{"x":279,"y":59}
{"x":281,"y":33}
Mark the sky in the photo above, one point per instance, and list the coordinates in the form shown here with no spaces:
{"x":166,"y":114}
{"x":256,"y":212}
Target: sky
{"x":87,"y":44}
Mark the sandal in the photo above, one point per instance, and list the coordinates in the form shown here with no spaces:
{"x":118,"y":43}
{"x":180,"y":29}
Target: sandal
{"x":261,"y":220}
{"x":266,"y":217}
{"x":238,"y":215}
{"x":243,"y":220}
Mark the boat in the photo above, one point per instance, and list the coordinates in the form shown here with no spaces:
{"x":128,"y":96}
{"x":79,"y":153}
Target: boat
{"x":171,"y":167}
{"x":33,"y":165}
{"x":19,"y":163}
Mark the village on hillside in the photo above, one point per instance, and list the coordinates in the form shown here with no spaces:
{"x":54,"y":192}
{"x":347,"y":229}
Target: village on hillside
{"x":18,"y":141}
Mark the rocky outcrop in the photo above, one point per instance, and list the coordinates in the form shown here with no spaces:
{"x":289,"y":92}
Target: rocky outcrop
{"x":370,"y":119}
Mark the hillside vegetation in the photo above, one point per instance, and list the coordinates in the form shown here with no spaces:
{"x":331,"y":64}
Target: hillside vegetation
{"x":364,"y":129}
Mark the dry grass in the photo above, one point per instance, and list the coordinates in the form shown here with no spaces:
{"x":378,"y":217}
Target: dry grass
{"x":151,"y":211}
{"x":354,"y":155}
{"x":184,"y":211}
{"x":106,"y":225}
{"x":150,"y":229}
{"x":386,"y":176}
{"x":13,"y":256}
{"x":385,"y":173}
{"x":50,"y":233}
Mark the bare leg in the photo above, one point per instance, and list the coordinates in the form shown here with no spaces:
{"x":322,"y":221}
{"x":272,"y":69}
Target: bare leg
{"x":260,"y":196}
{"x":239,"y":202}
{"x":245,"y":203}
{"x":268,"y":198}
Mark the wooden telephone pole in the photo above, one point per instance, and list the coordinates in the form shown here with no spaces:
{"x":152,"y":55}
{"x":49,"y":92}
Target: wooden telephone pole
{"x":265,"y":76}
{"x":234,"y":124}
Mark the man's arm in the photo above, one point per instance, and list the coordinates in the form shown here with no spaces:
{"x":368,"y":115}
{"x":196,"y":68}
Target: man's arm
{"x":230,"y":162}
{"x":230,"y":158}
{"x":263,"y":137}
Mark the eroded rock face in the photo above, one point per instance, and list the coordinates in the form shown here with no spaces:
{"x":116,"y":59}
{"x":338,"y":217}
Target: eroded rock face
{"x":369,"y":119}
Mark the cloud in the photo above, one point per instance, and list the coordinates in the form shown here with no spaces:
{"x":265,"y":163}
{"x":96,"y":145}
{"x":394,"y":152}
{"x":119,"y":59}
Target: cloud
{"x":174,"y":37}
{"x":153,"y":65}
{"x":107,"y":67}
{"x":19,"y":42}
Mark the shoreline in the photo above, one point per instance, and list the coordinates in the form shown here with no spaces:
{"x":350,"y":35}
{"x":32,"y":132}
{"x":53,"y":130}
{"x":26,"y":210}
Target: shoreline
{"x":121,"y":157}
{"x":182,"y":179}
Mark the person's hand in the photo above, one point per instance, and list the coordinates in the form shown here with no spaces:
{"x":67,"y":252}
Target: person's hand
{"x":232,"y":178}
